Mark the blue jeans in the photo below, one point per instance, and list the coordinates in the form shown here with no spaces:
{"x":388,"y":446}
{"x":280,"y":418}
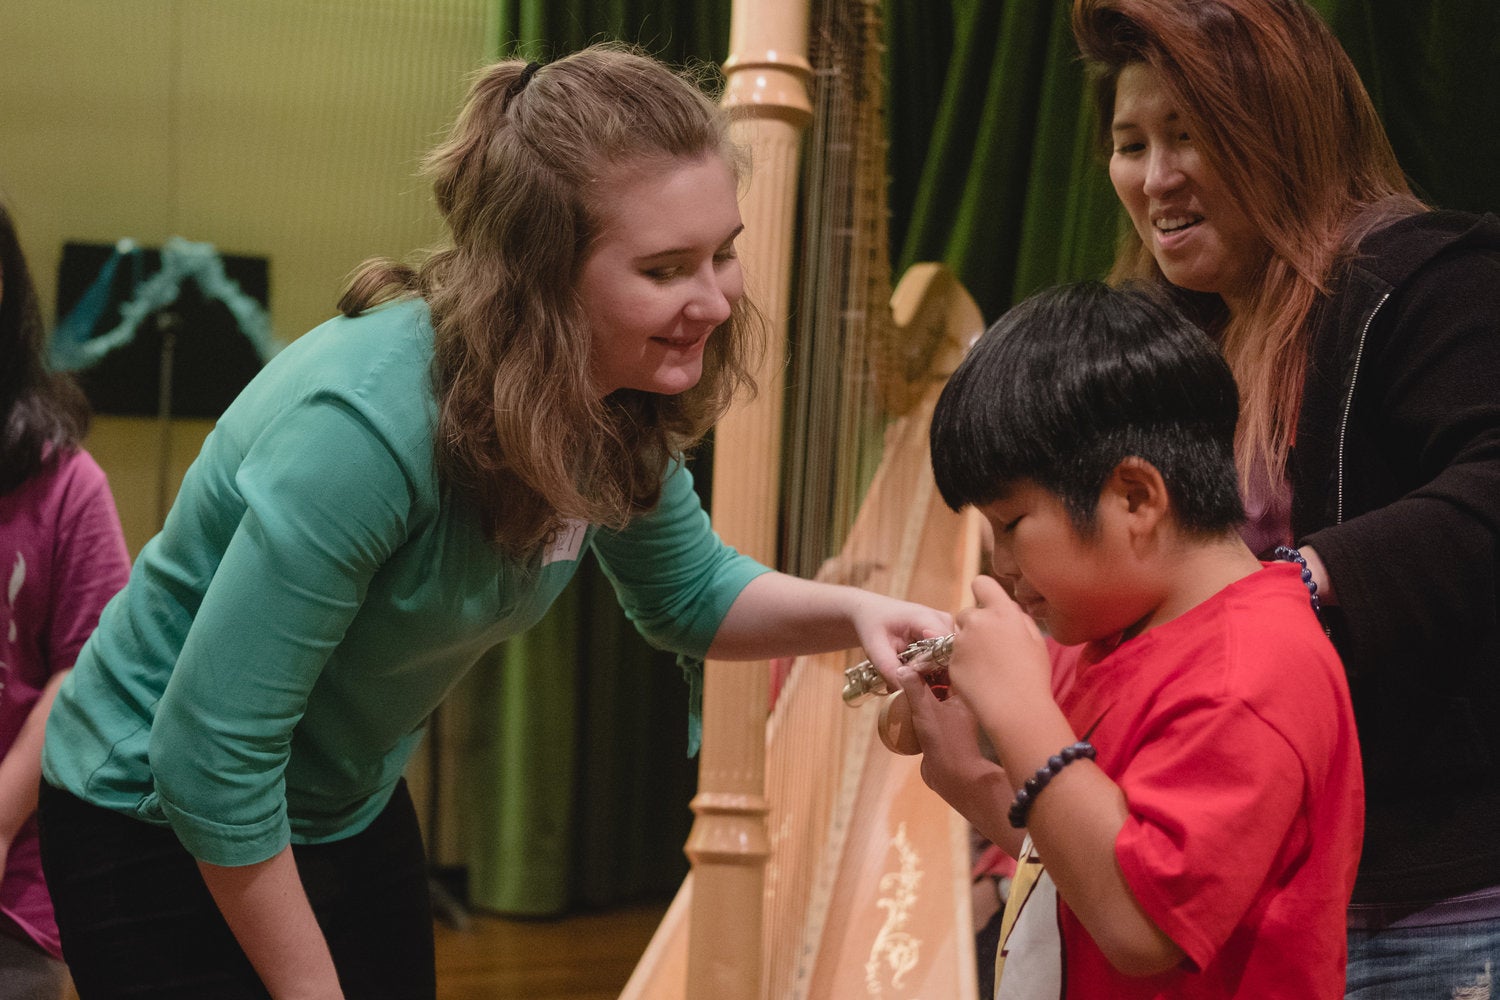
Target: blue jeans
{"x":1442,"y":962}
{"x":138,"y":922}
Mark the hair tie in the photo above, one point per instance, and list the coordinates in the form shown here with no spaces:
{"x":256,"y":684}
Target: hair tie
{"x":521,"y":81}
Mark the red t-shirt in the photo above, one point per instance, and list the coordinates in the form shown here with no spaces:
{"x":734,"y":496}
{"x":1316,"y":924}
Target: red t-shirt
{"x":1229,"y":730}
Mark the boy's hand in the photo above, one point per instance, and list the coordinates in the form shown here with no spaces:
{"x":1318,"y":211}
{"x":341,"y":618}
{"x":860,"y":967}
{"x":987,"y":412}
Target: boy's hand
{"x":947,"y":733}
{"x":999,"y":666}
{"x":953,"y":762}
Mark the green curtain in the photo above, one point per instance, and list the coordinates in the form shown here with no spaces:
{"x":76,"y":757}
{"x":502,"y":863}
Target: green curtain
{"x":1433,"y":71}
{"x":575,"y":779}
{"x":679,"y":31}
{"x":577,"y":784}
{"x":991,"y":168}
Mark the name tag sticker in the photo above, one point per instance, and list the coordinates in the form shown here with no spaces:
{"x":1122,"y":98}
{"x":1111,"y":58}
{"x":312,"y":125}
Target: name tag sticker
{"x":566,"y":544}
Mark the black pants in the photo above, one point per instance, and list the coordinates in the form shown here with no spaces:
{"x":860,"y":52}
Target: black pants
{"x":137,"y":920}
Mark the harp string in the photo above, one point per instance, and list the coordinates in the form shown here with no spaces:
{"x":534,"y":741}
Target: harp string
{"x":840,"y":317}
{"x":816,"y":747}
{"x":847,"y":824}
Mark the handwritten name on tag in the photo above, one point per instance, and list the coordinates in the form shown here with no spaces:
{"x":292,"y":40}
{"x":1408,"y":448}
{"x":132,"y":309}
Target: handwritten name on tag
{"x":566,"y":543}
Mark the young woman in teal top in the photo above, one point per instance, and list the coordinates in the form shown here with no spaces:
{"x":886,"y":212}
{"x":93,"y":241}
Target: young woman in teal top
{"x":399,"y":490}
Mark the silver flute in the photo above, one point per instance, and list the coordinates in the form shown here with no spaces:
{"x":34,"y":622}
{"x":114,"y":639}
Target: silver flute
{"x":863,"y":682}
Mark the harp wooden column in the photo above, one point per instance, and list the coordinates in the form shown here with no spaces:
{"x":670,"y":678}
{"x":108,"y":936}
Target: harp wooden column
{"x":766,"y":76}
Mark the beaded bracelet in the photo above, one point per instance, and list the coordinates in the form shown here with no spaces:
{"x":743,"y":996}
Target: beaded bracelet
{"x":1287,"y":554}
{"x":1028,"y":792}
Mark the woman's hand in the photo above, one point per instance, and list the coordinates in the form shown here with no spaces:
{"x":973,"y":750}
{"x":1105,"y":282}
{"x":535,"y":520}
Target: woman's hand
{"x":782,"y":615}
{"x":886,"y":626}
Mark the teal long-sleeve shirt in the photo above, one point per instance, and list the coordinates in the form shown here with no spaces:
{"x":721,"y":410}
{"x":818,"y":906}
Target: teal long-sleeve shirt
{"x":266,"y":673}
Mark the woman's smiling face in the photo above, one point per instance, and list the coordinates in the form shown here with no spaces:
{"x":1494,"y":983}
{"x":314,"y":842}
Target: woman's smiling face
{"x":1183,"y":211}
{"x":663,"y":274}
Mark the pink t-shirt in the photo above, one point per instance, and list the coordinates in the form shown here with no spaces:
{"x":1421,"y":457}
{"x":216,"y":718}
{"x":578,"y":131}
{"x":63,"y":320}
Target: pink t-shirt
{"x":1230,"y":731}
{"x":62,"y":557}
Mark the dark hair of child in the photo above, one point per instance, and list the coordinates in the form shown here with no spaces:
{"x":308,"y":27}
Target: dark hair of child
{"x":1075,"y":379}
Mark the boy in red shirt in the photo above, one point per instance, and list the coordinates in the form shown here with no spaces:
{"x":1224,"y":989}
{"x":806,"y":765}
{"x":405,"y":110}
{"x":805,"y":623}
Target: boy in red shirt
{"x":1187,"y":814}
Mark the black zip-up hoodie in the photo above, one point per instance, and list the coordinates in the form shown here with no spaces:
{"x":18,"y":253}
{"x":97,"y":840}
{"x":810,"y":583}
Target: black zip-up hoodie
{"x":1395,"y":480}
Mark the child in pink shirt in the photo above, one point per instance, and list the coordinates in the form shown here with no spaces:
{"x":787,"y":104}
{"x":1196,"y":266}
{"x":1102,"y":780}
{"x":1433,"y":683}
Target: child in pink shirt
{"x":62,"y":557}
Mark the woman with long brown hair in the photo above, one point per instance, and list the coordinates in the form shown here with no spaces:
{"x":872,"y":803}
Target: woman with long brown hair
{"x":1363,"y":329}
{"x":396,"y":492}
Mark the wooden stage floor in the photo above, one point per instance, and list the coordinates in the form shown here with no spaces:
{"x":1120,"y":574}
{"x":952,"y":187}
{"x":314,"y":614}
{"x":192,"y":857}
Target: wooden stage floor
{"x":584,"y":957}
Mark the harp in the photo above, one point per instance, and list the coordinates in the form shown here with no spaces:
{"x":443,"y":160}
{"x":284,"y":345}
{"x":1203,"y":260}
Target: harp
{"x":822,"y":864}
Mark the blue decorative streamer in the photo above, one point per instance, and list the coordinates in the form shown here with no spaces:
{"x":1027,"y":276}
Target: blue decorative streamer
{"x":72,"y":347}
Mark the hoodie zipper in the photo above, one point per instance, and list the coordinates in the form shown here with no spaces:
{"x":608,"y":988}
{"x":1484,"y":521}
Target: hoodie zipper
{"x":1359,"y":354}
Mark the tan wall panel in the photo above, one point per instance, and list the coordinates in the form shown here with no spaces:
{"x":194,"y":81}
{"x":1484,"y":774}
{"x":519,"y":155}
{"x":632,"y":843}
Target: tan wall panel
{"x":289,"y":129}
